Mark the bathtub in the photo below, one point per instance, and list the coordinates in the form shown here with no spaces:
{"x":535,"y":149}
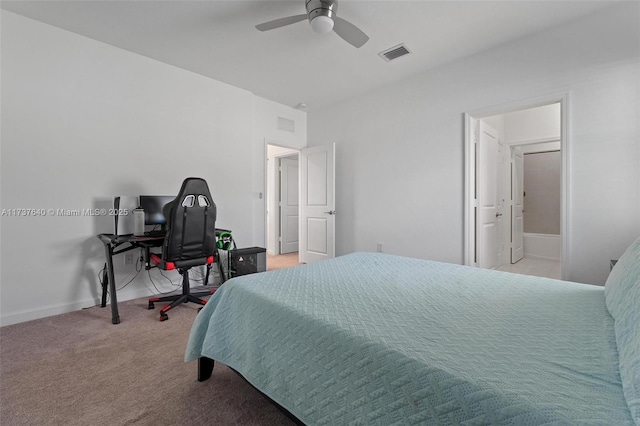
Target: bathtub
{"x":542,"y":246}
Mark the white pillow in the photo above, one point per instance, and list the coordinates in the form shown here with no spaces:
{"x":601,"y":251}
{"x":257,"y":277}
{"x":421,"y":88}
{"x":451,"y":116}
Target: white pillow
{"x":622,"y":296}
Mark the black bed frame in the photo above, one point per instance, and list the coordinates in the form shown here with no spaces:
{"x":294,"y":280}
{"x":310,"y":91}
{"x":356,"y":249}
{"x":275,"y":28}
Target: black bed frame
{"x":205,"y":368}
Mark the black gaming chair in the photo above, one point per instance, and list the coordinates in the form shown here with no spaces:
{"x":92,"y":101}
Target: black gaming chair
{"x":190,"y":240}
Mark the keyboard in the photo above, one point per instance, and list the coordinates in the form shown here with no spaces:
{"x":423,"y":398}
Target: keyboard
{"x":155,"y":233}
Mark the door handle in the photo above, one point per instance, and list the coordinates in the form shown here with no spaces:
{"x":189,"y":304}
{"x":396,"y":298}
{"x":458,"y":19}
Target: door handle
{"x":498,"y":214}
{"x":330,"y":212}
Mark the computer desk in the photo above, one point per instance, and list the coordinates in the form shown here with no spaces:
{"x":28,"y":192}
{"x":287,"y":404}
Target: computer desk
{"x":118,"y":244}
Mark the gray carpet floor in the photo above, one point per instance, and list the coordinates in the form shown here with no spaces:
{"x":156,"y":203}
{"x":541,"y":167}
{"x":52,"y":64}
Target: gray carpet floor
{"x":79,"y":369}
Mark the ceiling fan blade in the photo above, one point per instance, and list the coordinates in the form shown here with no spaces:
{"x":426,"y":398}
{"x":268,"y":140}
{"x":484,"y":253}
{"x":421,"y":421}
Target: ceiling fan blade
{"x":349,"y":32}
{"x":277,"y":23}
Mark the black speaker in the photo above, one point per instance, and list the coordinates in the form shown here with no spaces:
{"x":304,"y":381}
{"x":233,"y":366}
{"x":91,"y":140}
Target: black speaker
{"x":247,"y":261}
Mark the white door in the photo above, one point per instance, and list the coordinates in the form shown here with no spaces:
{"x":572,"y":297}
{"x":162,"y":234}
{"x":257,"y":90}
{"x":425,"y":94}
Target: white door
{"x":317,"y":203}
{"x":288,"y":205}
{"x":489,"y":197}
{"x":517,"y":204}
{"x":500,"y":200}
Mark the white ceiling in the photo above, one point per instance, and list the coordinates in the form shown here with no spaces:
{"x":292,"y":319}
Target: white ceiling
{"x":293,"y":64}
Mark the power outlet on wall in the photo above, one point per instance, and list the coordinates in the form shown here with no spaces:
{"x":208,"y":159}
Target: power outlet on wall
{"x":128,"y":258}
{"x":379,"y":248}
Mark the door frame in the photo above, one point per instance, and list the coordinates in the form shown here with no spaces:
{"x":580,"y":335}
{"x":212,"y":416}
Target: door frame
{"x":470,"y":201}
{"x":268,"y":180}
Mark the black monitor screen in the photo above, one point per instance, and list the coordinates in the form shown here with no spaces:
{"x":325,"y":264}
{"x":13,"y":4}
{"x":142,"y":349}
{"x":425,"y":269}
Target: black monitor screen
{"x":152,"y":206}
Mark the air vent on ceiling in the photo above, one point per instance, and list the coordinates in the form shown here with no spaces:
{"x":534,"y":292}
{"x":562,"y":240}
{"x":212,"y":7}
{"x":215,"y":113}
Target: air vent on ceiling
{"x":394,"y":53}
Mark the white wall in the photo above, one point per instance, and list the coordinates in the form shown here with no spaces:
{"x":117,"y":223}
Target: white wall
{"x":83,"y":121}
{"x":533,"y":124}
{"x":400,"y":152}
{"x":497,"y":122}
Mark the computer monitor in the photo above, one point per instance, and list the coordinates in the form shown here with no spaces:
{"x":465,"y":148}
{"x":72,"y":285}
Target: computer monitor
{"x":153,"y":206}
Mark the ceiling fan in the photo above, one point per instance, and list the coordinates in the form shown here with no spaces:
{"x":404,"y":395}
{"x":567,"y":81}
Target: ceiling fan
{"x":322,"y":18}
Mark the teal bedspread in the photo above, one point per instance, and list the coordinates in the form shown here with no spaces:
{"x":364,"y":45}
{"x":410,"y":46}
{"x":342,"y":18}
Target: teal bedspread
{"x":374,"y":339}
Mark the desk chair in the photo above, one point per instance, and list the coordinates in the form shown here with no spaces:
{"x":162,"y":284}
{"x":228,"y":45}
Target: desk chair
{"x":190,"y":240}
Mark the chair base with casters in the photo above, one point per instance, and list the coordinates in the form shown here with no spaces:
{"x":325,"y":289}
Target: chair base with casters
{"x":177,"y":299}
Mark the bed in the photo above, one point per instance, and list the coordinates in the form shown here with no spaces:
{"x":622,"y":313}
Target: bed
{"x":376,"y":339}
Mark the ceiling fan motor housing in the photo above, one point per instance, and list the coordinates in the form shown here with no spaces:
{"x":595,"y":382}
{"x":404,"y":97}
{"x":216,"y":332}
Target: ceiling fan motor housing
{"x":316,"y":8}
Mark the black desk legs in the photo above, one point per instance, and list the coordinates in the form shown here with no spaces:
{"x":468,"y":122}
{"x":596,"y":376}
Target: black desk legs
{"x":105,"y":286}
{"x":111,"y":282}
{"x":114,"y":244}
{"x":223,"y":278}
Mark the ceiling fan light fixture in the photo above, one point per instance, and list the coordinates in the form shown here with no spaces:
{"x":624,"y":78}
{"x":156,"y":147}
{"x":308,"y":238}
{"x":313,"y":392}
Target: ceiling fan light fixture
{"x":321,"y":24}
{"x":322,"y":19}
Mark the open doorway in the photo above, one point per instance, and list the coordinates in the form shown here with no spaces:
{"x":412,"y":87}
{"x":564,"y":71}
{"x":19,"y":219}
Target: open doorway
{"x":516,"y":189}
{"x":282,"y":205}
{"x":316,"y":196}
{"x":537,"y":175}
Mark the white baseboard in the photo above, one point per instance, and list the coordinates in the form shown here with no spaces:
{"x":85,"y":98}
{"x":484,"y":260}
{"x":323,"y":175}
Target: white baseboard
{"x":33,"y":314}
